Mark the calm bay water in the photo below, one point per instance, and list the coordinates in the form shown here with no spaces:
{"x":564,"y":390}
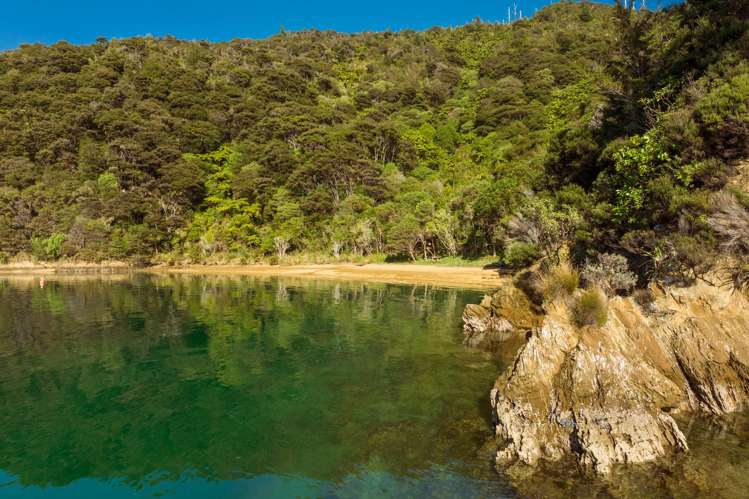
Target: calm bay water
{"x":124,"y":386}
{"x":186,"y":386}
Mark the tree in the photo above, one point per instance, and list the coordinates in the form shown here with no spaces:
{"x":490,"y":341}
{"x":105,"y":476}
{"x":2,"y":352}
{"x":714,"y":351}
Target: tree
{"x":593,"y":128}
{"x":539,"y":224}
{"x":404,"y":236}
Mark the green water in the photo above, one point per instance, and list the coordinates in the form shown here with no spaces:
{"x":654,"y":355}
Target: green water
{"x":127,"y":386}
{"x":157,"y":386}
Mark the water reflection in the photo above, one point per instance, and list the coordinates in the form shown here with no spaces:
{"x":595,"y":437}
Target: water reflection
{"x":123,"y":381}
{"x":220,"y":386}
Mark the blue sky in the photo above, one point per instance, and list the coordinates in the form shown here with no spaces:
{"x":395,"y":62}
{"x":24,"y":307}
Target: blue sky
{"x":81,"y":21}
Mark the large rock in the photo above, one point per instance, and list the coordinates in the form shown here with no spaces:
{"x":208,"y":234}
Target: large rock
{"x":499,"y":318}
{"x":606,"y":395}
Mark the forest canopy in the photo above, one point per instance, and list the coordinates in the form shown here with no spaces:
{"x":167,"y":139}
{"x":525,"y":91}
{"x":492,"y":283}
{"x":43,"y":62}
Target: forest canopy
{"x":596,"y":128}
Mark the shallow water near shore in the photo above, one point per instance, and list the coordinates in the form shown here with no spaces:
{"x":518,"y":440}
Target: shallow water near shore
{"x":220,"y":386}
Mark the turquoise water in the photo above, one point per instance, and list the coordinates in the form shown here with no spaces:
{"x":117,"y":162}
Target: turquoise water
{"x":183,"y":386}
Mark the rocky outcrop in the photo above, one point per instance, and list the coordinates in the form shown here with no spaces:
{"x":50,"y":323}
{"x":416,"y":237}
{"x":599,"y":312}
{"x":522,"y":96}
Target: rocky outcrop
{"x":607,"y":395}
{"x":499,"y":317}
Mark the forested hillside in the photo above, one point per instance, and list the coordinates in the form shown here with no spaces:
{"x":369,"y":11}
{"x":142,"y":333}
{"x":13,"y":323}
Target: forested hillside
{"x":587,"y":126}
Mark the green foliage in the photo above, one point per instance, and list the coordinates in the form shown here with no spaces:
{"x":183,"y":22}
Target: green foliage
{"x":573,"y":156}
{"x":591,"y":308}
{"x":17,"y":172}
{"x":132,"y":241}
{"x":638,"y":162}
{"x":724,"y":117}
{"x":49,"y":248}
{"x":107,"y":183}
{"x":226,"y":224}
{"x":571,"y":103}
{"x":551,"y":229}
{"x":727,"y":103}
{"x":583,"y":130}
{"x":423,"y":142}
{"x":519,"y":255}
{"x":403,"y":236}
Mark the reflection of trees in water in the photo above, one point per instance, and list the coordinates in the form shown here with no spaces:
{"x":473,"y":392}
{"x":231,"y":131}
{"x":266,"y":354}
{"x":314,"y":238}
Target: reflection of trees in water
{"x":217,"y":374}
{"x":160,"y":306}
{"x":282,"y":294}
{"x":105,"y":377}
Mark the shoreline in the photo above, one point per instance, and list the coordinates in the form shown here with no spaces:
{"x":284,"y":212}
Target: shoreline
{"x":390,"y":273}
{"x":63,"y":268}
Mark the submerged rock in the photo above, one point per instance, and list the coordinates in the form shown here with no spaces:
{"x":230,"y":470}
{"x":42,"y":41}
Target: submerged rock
{"x":607,"y":395}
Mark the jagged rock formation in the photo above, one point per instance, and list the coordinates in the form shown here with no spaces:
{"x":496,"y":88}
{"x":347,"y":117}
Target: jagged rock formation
{"x":606,"y":395}
{"x":499,"y":317}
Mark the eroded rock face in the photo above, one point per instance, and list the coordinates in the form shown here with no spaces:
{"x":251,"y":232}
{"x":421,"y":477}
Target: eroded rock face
{"x":606,"y":395}
{"x":498,"y":318}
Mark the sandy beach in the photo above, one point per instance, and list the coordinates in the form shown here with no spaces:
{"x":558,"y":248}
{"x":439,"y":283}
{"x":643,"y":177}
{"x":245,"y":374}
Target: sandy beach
{"x":465,"y":277}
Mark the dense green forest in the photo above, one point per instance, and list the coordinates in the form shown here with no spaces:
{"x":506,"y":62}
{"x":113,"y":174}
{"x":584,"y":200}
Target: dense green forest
{"x":590,"y":127}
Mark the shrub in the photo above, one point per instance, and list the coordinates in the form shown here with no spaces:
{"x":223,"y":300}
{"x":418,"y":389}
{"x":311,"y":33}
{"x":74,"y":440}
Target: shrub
{"x":540,"y":224}
{"x":134,"y":241}
{"x":674,"y":259}
{"x":520,"y":254}
{"x":610,"y":273}
{"x":3,"y":258}
{"x":644,"y":298}
{"x":637,"y":162}
{"x":561,"y":280}
{"x":54,"y":245}
{"x":37,"y":248}
{"x":107,"y":183}
{"x":730,"y":221}
{"x":737,"y":273}
{"x":530,"y":282}
{"x":49,"y":248}
{"x":591,"y":308}
{"x":687,"y":258}
{"x":724,"y":118}
{"x":281,"y":245}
